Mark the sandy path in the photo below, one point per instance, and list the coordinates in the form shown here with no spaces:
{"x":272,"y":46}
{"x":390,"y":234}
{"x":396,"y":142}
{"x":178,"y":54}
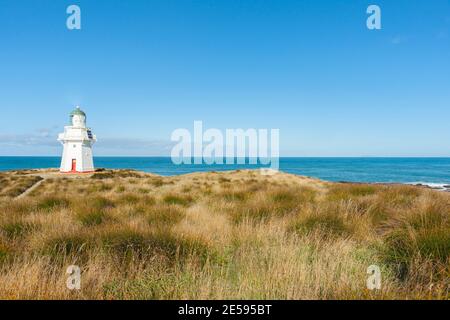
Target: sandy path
{"x":30,"y":189}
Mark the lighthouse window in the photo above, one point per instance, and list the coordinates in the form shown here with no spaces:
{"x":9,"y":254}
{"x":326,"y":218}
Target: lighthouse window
{"x":89,"y":134}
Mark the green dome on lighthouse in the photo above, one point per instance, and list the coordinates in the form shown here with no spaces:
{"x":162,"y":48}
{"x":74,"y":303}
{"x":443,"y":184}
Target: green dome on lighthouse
{"x":77,"y":112}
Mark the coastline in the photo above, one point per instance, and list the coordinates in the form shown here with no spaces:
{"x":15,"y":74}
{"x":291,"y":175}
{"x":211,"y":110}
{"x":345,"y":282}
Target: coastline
{"x":54,"y":172}
{"x":433,"y":172}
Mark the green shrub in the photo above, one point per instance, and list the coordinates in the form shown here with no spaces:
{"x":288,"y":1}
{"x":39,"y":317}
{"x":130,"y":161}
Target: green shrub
{"x":102,"y":175}
{"x":128,"y":244}
{"x":143,"y":191}
{"x":128,"y":198}
{"x":92,"y":217}
{"x":105,"y":187}
{"x":17,"y":229}
{"x":178,"y":199}
{"x":4,"y":252}
{"x":256,"y":212}
{"x":157,"y":182}
{"x":287,"y":200}
{"x":329,"y":225}
{"x":100,"y":203}
{"x":67,"y":245}
{"x":235,"y":195}
{"x":400,"y":196}
{"x":423,"y":235}
{"x":164,"y":215}
{"x":349,"y":191}
{"x":120,"y":189}
{"x":50,"y":203}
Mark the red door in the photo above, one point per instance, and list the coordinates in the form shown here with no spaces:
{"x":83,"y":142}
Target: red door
{"x":74,"y":165}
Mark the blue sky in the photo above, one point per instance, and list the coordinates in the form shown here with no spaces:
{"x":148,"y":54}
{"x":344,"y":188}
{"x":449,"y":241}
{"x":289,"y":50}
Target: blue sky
{"x":141,"y":69}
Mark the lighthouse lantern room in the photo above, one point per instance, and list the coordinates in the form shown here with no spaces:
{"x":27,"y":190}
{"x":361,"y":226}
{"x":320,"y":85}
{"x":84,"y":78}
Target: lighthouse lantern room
{"x":77,"y":140}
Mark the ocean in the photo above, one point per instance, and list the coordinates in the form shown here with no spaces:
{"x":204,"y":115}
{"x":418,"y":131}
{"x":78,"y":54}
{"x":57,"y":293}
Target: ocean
{"x":430,"y":171}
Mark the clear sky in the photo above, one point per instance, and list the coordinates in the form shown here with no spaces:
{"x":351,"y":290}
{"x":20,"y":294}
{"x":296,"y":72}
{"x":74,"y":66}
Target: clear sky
{"x":141,"y":69}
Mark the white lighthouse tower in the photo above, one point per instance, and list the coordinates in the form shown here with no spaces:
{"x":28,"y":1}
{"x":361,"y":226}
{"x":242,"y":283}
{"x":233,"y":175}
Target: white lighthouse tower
{"x":77,"y":140}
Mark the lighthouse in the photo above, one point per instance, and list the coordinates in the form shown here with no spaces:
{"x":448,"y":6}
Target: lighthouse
{"x":77,"y":140}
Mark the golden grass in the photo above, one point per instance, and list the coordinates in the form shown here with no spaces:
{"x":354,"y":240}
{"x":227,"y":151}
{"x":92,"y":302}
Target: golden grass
{"x":12,"y":185}
{"x":233,"y":235}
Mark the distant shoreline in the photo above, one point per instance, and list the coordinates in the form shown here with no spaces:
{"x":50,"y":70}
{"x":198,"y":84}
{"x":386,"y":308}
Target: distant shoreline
{"x":431,"y":172}
{"x":433,"y":186}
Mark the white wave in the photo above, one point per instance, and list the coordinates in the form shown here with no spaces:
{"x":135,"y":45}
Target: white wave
{"x":433,"y":185}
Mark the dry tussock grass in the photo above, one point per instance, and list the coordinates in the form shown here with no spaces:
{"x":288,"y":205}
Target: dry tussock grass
{"x":231,"y":235}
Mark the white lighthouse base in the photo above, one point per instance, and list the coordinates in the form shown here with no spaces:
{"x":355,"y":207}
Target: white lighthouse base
{"x":77,"y":158}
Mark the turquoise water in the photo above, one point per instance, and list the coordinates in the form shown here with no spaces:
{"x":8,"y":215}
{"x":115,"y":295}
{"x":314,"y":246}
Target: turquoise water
{"x":402,"y":170}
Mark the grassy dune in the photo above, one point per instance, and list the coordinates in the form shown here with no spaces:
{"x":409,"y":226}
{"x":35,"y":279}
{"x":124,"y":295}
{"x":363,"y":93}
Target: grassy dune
{"x":233,"y":235}
{"x":12,"y":185}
